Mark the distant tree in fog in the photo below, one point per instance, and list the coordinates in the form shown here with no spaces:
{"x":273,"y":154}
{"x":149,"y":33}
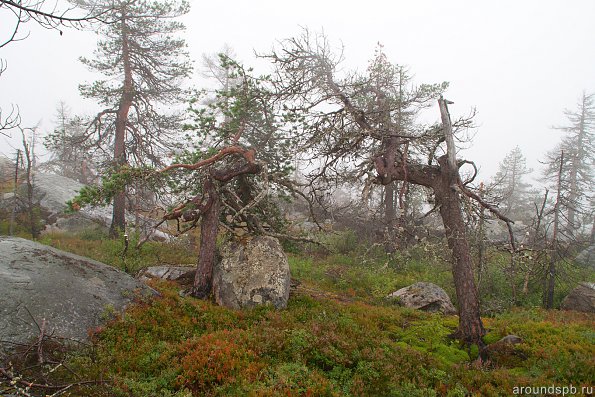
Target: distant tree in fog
{"x":510,"y":187}
{"x":70,"y":157}
{"x":578,"y":177}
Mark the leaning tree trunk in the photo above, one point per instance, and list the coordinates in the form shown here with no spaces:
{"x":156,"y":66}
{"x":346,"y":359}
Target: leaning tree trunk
{"x":471,"y":328}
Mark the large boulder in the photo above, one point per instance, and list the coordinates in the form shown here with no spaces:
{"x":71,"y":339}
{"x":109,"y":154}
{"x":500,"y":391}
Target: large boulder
{"x":72,"y":293}
{"x":581,"y":299}
{"x":256,"y":273}
{"x":424,"y":296}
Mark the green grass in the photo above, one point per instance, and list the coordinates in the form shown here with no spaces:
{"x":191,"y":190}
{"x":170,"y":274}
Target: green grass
{"x":96,"y":245}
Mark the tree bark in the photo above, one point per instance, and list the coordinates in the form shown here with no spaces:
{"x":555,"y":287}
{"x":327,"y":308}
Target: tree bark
{"x":443,"y":180}
{"x":119,"y":205}
{"x":16,"y":191}
{"x":209,"y":229}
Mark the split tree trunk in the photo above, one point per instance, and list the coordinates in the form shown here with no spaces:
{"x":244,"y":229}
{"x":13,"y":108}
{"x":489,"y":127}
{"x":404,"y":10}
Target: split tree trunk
{"x":471,"y":328}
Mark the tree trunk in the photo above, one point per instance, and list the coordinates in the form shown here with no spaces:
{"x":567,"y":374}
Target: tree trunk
{"x":592,"y":238}
{"x":119,"y":205}
{"x":443,"y":180}
{"x":390,"y":235}
{"x":481,"y":239}
{"x":209,"y":229}
{"x":551,"y":273}
{"x":13,"y":214}
{"x":471,"y":328}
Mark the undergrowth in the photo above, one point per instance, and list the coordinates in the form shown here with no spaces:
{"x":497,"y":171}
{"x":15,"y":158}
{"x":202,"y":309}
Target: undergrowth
{"x":177,"y":346}
{"x":338,"y":336}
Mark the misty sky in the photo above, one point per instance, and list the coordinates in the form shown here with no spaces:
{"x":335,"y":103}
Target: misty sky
{"x":520,"y":63}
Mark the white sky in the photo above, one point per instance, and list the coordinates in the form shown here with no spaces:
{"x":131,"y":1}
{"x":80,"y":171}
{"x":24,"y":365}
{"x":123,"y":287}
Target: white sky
{"x":519,"y":62}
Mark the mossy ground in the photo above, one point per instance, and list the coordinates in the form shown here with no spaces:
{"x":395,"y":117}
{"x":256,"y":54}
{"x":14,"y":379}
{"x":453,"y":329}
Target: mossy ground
{"x":337,"y":337}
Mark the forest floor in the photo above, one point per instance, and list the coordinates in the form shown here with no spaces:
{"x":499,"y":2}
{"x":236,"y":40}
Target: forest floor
{"x":337,"y":337}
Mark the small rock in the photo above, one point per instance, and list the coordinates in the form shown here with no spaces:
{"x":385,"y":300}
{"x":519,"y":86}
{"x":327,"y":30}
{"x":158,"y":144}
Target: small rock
{"x":165,"y":272}
{"x":424,"y":296}
{"x":512,"y":339}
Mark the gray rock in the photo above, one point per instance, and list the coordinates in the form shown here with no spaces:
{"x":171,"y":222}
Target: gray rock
{"x":165,"y":272}
{"x":73,"y":294}
{"x":251,"y":275}
{"x":424,"y":296}
{"x":512,"y":339}
{"x":586,"y":257}
{"x":581,"y":299}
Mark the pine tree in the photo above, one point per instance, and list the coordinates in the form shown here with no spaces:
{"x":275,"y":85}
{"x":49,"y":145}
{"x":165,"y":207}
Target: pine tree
{"x":577,"y":179}
{"x":69,"y":156}
{"x":144,"y":66}
{"x":510,"y":187}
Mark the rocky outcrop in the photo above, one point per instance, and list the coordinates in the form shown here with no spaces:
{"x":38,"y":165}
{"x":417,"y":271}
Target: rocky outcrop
{"x":72,"y":293}
{"x":586,"y":257}
{"x":53,"y":191}
{"x":581,"y":299}
{"x":256,"y":273}
{"x":424,"y":296}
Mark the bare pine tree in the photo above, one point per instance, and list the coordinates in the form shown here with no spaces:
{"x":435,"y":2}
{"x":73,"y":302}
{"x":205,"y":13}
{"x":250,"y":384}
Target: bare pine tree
{"x":338,"y":129}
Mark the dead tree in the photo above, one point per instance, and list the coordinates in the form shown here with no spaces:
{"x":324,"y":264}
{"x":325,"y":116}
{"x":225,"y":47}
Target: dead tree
{"x":46,"y":14}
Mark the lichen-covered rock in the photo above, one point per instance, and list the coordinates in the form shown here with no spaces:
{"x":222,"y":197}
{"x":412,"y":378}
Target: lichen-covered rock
{"x":581,"y":299}
{"x":424,"y":296}
{"x":72,"y":293}
{"x":253,"y":274}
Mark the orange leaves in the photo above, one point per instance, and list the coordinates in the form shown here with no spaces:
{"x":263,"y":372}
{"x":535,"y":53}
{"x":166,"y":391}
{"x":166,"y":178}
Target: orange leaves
{"x":215,"y":358}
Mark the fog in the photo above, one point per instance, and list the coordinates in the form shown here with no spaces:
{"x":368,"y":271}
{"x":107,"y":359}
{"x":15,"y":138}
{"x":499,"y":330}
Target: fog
{"x":520,"y":64}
